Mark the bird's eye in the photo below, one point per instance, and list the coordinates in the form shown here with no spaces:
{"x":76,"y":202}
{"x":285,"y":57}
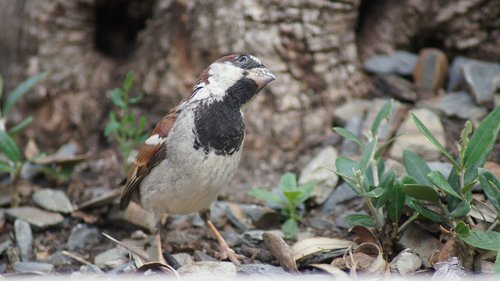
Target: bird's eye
{"x":242,"y":59}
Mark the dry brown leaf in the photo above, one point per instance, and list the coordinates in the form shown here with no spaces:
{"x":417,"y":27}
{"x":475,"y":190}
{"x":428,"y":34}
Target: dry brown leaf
{"x":365,"y":235}
{"x":331,"y":269}
{"x":367,"y":257}
{"x":447,"y":251}
{"x":31,"y":150}
{"x":314,"y":245}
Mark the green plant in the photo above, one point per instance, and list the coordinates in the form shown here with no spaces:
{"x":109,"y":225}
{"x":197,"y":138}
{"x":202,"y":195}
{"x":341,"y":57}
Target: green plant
{"x":124,"y":126}
{"x":13,"y":161}
{"x":290,"y":198}
{"x":427,"y":193}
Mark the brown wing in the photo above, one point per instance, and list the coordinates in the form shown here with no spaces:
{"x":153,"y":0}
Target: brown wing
{"x":148,"y":157}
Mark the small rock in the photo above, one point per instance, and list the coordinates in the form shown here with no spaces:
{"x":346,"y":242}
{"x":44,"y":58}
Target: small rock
{"x":449,"y":270}
{"x":481,"y":78}
{"x":399,"y":62}
{"x":83,"y":236}
{"x":340,"y":220}
{"x":52,"y":200}
{"x":413,"y":140}
{"x":396,"y":87}
{"x":458,"y":104}
{"x":249,"y":216}
{"x":420,"y":242}
{"x":349,"y":147}
{"x":405,"y":263}
{"x":493,"y":168}
{"x":112,"y":258}
{"x":319,"y":171}
{"x":59,"y":259}
{"x":321,"y":223}
{"x":262,"y":269}
{"x":183,"y":258}
{"x":90,"y":269}
{"x":201,"y":256}
{"x":254,"y":237}
{"x":342,"y":193}
{"x":431,"y":70}
{"x":443,"y":167}
{"x":37,"y":218}
{"x":351,"y":109}
{"x":5,"y":245}
{"x":456,"y":80}
{"x":24,"y":239}
{"x":29,"y":267}
{"x":387,"y":128}
{"x":202,"y":268}
{"x":306,"y":234}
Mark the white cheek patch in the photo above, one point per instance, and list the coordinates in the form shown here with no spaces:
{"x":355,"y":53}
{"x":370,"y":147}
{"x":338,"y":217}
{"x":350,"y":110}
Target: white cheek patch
{"x":155,"y":140}
{"x":222,"y":76}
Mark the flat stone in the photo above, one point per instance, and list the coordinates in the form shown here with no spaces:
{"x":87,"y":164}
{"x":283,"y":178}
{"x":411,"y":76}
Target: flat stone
{"x":482,"y":79}
{"x":203,"y":268}
{"x":420,"y":242}
{"x":443,"y":167}
{"x":396,"y":87}
{"x":257,"y":269}
{"x":413,"y":140}
{"x":183,"y":258}
{"x":457,"y":104}
{"x":59,"y":259}
{"x":342,"y":193}
{"x":37,"y":218}
{"x":29,"y":267}
{"x":431,"y":70}
{"x":5,"y":245}
{"x":134,"y":214}
{"x":52,"y":200}
{"x":387,"y":128}
{"x":355,"y":108}
{"x":24,"y":239}
{"x":349,"y":147}
{"x":319,"y":171}
{"x":399,"y":62}
{"x":456,"y":80}
{"x":249,"y":216}
{"x":83,"y":236}
{"x":406,"y":262}
{"x":112,"y":258}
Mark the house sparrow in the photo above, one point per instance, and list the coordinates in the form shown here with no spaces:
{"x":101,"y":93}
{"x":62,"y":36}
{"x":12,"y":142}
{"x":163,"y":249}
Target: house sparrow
{"x":194,"y":151}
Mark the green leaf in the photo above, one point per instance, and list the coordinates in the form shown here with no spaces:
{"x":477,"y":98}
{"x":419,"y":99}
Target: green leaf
{"x":117,"y":98}
{"x":306,"y":190}
{"x":426,"y":212}
{"x":432,"y":139}
{"x":396,"y":201}
{"x":345,"y":168}
{"x":291,"y":196}
{"x":367,"y":155}
{"x":129,"y":80}
{"x":290,"y":228}
{"x":481,"y":143}
{"x":462,"y":229}
{"x":9,"y":148}
{"x":416,"y":167}
{"x":360,"y":219}
{"x":461,"y":210}
{"x":468,"y":187}
{"x":135,"y":99}
{"x":348,"y":135}
{"x":113,"y":126}
{"x":19,"y":127}
{"x":288,"y":182}
{"x":375,"y":193}
{"x":491,"y":187}
{"x":265,"y":195}
{"x":484,"y":240}
{"x":21,"y":90}
{"x":421,"y":192}
{"x":440,"y":182}
{"x":464,"y":138}
{"x":386,"y":183}
{"x":384,"y":113}
{"x":5,"y":167}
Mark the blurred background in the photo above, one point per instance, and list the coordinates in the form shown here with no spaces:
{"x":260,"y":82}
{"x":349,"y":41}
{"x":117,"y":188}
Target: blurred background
{"x":316,"y":48}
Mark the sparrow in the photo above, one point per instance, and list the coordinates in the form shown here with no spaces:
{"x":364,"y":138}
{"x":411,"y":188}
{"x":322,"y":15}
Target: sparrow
{"x":194,"y":151}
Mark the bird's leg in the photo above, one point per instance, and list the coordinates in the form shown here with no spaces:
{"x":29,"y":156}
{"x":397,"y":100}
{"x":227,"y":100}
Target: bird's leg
{"x":225,"y":250}
{"x":159,"y":248}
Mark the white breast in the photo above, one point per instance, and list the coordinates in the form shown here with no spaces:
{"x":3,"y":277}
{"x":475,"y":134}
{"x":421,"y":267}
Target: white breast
{"x":188,"y":180}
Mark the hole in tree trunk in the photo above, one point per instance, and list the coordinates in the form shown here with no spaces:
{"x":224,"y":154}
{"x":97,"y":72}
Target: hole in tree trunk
{"x":117,"y":24}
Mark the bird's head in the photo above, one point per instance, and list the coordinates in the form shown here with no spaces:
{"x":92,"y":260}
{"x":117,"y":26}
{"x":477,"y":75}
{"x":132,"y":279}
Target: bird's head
{"x":237,"y":77}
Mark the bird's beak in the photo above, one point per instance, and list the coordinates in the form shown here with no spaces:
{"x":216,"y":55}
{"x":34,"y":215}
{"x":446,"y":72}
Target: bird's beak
{"x":261,"y":75}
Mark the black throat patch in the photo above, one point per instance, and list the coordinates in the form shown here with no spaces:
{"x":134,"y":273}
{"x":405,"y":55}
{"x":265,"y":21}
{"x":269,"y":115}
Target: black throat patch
{"x":219,"y":125}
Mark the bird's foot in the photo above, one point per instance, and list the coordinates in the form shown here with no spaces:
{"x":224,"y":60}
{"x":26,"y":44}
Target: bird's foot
{"x":225,"y":252}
